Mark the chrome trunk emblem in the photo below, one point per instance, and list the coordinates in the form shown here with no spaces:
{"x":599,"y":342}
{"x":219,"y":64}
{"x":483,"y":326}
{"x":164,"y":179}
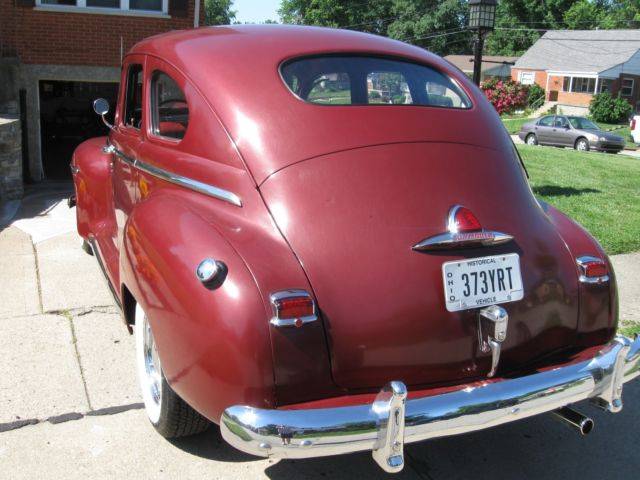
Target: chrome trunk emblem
{"x":462,"y":236}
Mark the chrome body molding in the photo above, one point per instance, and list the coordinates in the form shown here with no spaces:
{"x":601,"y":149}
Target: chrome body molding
{"x":176,"y":179}
{"x":378,"y":428}
{"x":481,"y":238}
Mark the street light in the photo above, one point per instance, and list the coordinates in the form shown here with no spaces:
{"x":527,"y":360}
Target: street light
{"x":482,"y":17}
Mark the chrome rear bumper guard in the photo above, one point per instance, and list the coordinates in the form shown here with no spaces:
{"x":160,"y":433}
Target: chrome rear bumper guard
{"x":384,"y":426}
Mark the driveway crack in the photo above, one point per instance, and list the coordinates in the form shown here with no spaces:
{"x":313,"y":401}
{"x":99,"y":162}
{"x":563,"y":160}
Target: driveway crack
{"x":74,"y":339}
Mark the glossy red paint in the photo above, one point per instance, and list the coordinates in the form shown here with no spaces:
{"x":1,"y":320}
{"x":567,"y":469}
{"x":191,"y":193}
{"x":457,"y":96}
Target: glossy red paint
{"x":333,"y":198}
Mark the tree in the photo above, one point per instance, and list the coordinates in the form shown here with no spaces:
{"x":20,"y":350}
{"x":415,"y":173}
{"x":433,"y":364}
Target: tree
{"x":367,"y":16}
{"x":437,"y":25}
{"x":218,"y":12}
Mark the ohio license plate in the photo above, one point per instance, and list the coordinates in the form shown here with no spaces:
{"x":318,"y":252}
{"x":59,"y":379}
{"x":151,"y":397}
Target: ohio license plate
{"x":479,"y":282}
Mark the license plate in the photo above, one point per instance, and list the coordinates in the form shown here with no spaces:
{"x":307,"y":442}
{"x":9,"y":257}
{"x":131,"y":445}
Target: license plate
{"x":479,"y":282}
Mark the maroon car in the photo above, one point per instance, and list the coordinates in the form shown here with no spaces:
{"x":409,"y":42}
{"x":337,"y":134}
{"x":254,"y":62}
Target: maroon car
{"x":326,"y":242}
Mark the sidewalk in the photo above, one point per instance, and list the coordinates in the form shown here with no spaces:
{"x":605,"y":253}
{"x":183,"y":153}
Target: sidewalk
{"x":70,"y":407}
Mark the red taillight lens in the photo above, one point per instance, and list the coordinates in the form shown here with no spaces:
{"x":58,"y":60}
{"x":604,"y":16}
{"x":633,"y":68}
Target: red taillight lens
{"x":463,"y":220}
{"x":633,"y":124}
{"x":295,"y":307}
{"x":292,"y":308}
{"x":593,"y":268}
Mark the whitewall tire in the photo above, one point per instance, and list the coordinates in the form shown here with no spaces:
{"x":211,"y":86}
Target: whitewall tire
{"x":168,"y":413}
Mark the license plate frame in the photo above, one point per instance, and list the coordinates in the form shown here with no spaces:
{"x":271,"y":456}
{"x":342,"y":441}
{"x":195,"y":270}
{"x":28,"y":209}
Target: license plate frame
{"x":456,"y":286}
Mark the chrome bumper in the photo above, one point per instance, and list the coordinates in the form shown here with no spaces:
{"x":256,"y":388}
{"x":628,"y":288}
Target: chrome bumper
{"x":390,"y":421}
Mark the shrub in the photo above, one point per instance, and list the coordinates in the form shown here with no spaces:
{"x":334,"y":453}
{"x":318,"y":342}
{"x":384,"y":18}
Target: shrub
{"x":535,"y":99}
{"x":505,"y":95}
{"x":607,"y":109}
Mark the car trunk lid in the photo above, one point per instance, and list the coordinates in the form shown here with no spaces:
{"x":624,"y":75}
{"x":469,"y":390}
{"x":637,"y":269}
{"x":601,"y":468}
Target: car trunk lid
{"x":352,"y":218}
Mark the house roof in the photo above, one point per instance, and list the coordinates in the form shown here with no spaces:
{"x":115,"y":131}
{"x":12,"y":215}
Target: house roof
{"x":489,"y":62}
{"x":581,"y":50}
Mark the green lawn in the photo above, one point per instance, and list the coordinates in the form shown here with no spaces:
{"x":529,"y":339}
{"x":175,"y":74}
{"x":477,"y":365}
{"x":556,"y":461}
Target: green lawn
{"x":601,"y":191}
{"x":513,"y":125}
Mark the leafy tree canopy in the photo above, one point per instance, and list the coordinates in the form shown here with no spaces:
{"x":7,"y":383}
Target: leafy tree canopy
{"x":439,"y":25}
{"x":218,"y":12}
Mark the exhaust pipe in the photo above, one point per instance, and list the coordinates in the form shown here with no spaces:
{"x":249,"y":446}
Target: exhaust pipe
{"x":575,"y":419}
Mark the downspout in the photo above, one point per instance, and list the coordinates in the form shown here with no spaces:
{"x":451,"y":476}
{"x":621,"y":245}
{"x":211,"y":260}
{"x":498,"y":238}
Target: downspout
{"x":196,"y":15}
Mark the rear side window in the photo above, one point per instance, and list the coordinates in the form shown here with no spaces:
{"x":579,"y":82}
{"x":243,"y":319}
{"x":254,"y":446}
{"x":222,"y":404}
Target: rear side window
{"x":360,"y":80}
{"x":133,"y":101}
{"x":169,"y":109}
{"x":546,"y":121}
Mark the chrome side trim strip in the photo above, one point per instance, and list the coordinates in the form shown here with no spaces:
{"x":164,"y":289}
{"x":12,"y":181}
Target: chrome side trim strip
{"x":307,"y":433}
{"x":179,"y":180}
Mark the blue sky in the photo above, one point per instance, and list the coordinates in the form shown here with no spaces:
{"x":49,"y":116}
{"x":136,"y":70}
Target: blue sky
{"x":256,"y":10}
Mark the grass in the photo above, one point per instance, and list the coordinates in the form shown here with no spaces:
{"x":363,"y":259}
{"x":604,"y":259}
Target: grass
{"x":629,"y":329}
{"x":513,"y":125}
{"x":601,"y":191}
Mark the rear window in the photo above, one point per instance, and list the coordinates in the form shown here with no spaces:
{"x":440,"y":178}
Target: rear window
{"x":357,"y":80}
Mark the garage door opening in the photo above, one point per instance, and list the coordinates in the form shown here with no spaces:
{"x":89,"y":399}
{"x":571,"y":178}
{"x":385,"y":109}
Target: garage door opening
{"x":67,"y":119}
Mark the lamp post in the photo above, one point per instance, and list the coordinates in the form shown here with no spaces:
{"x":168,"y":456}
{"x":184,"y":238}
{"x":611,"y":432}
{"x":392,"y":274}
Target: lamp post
{"x":482,"y":18}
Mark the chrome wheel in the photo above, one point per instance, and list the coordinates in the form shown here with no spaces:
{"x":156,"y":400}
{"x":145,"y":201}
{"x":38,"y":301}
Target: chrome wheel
{"x":149,"y":369}
{"x":531,"y":140}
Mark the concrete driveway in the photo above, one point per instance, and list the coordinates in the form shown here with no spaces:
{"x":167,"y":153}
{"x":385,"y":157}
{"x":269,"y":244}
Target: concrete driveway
{"x":70,"y":407}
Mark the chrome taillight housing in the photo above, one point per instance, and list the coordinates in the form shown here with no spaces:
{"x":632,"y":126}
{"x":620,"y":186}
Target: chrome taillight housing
{"x":292,"y":308}
{"x":592,"y":269}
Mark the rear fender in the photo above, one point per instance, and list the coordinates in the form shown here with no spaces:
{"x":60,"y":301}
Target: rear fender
{"x":91,"y":168}
{"x":598,"y":302}
{"x":213,"y":344}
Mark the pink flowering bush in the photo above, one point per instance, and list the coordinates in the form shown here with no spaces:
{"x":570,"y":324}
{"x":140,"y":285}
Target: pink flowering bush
{"x":505,"y":95}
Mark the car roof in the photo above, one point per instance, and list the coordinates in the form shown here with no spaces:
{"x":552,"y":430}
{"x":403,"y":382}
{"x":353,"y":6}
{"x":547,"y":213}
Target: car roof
{"x":236,"y":69}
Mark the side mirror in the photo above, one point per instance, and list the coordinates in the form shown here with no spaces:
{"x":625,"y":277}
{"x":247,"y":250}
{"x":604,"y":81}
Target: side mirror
{"x":101,"y":107}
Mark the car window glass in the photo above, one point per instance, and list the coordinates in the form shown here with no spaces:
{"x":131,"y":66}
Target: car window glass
{"x":169,"y":109}
{"x":133,"y":100}
{"x":546,"y":121}
{"x":387,"y":87}
{"x":364,"y":80}
{"x":561,"y":122}
{"x":329,"y":88}
{"x":582,"y":123}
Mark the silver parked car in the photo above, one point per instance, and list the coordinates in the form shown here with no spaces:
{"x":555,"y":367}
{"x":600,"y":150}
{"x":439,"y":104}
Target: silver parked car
{"x":567,"y":131}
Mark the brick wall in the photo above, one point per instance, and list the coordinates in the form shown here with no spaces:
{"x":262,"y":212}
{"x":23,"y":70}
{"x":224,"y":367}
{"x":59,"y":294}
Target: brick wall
{"x":65,"y":38}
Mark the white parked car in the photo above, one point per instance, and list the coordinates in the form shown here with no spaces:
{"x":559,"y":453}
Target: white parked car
{"x":635,"y":128}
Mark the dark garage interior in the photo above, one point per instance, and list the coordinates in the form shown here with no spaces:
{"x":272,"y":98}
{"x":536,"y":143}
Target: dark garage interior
{"x":67,"y":119}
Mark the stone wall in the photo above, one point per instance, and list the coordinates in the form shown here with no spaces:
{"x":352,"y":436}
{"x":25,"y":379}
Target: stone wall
{"x":10,"y":158}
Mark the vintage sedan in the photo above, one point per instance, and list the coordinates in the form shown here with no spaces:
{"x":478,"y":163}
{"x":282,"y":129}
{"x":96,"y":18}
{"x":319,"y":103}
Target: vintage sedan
{"x":315,"y":256}
{"x":568,"y":131}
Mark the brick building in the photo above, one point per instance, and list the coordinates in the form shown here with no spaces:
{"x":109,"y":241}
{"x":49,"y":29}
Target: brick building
{"x":56,"y":56}
{"x":573,"y":65}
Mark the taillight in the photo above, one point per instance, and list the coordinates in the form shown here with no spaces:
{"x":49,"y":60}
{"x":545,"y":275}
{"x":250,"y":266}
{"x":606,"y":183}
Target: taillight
{"x":633,"y":124}
{"x":292,"y":308}
{"x":461,"y":219}
{"x":593,"y":269}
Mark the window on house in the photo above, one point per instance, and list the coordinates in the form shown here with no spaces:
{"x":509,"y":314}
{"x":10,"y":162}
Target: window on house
{"x":527,"y":78}
{"x":584,"y":85}
{"x":605,"y":85}
{"x":169,"y":109}
{"x":626,"y":90}
{"x":157,"y":6}
{"x":133,"y":100}
{"x":566,"y":84}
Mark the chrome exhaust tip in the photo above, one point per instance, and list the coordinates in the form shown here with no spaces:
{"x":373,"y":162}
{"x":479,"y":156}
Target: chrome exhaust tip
{"x":575,"y":419}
